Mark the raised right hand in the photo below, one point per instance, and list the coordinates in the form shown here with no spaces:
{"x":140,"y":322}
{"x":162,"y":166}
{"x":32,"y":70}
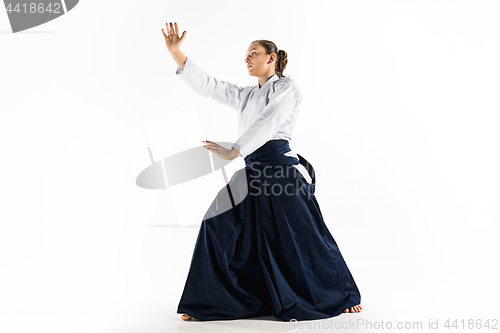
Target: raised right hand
{"x":172,"y":39}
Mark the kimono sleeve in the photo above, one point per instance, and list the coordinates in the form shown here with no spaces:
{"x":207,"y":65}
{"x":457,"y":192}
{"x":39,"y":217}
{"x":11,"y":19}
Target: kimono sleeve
{"x":286,"y":98}
{"x":208,"y":86}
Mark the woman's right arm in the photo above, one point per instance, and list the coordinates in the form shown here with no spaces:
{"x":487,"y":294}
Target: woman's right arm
{"x":208,"y":86}
{"x":179,"y":58}
{"x":205,"y":85}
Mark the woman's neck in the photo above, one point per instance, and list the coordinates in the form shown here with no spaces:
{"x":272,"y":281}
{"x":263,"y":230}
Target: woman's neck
{"x":260,"y":86}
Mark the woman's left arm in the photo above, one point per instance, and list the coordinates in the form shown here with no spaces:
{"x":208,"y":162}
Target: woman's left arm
{"x":286,"y":98}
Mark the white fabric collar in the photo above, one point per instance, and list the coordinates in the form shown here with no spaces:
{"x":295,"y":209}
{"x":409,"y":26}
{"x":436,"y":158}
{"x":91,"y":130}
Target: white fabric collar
{"x":271,"y":79}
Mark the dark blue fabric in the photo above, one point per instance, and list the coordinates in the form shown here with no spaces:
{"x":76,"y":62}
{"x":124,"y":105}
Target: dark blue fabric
{"x":271,"y":254}
{"x":270,"y":154}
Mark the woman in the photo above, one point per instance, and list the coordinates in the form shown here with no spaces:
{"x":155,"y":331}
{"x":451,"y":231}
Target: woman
{"x":271,"y":253}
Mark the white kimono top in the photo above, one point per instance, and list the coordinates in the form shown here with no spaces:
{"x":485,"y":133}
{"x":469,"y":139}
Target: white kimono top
{"x":264,"y":113}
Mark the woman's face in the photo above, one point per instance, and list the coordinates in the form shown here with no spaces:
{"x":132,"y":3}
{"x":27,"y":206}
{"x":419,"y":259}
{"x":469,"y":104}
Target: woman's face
{"x":257,"y":60}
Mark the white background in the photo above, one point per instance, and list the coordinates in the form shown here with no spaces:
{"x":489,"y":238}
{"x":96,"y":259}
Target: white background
{"x":399,"y":118}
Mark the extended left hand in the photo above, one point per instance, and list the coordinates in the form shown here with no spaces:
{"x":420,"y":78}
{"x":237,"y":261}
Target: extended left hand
{"x":221,"y":151}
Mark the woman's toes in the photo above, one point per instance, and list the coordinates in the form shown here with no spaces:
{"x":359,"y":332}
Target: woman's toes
{"x":186,"y":317}
{"x":353,"y":309}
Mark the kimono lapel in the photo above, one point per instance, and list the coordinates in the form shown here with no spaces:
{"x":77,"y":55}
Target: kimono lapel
{"x":258,"y":92}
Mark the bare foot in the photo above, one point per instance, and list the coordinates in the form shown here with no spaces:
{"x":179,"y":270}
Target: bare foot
{"x":356,"y":308}
{"x":187,"y":317}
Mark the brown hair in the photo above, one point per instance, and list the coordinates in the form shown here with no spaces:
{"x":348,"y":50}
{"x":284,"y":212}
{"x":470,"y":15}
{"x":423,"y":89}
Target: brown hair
{"x":281,"y":56}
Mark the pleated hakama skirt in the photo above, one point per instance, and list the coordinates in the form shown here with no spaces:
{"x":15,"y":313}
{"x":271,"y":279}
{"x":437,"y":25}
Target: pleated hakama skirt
{"x":270,"y":253}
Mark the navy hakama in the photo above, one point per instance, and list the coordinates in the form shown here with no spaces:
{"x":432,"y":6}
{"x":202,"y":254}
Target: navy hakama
{"x":271,"y":254}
